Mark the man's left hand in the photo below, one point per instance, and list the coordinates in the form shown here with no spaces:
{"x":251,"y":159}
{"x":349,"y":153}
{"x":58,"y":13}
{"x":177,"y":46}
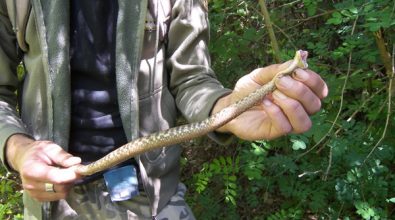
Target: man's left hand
{"x":286,"y":110}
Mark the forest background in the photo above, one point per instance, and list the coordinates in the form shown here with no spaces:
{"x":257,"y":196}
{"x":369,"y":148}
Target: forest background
{"x":343,"y":168}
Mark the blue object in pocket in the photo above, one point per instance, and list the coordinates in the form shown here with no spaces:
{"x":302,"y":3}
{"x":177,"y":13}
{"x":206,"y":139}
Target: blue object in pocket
{"x":122,"y":183}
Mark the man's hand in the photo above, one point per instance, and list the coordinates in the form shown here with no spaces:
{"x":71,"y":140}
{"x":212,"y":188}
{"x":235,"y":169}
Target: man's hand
{"x":286,"y":110}
{"x":41,"y":162}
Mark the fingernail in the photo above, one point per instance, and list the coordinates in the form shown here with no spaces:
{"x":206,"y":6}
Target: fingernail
{"x":325,"y":92}
{"x":301,"y":75}
{"x":286,"y":81}
{"x":279,"y":95}
{"x":267,"y":103}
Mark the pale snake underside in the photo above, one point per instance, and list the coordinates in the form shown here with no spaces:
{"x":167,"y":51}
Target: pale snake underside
{"x":190,"y":131}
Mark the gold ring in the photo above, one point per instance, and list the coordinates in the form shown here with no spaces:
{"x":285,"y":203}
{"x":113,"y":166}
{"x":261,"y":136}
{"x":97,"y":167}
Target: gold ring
{"x":49,"y":187}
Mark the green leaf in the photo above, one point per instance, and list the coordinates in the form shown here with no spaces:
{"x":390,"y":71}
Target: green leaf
{"x":391,"y":200}
{"x":251,"y":34}
{"x":298,"y":144}
{"x":232,"y":185}
{"x":354,"y":10}
{"x":223,"y":161}
{"x":232,"y":178}
{"x":365,"y":210}
{"x":229,"y":161}
{"x":336,"y":19}
{"x":258,"y":150}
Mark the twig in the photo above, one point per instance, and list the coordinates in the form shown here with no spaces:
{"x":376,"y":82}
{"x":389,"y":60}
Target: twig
{"x":318,"y":15}
{"x":384,"y":55}
{"x":283,"y":31}
{"x":272,"y":36}
{"x":341,"y":99}
{"x":278,"y":28}
{"x":380,"y":109}
{"x":310,"y":18}
{"x":387,"y":121}
{"x":356,"y":112}
{"x":340,"y":211}
{"x":364,"y":103}
{"x":360,"y":108}
{"x":289,"y":4}
{"x":308,"y":173}
{"x":286,"y":35}
{"x":328,"y":168}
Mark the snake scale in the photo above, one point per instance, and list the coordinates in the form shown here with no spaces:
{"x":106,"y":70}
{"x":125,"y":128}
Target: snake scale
{"x":189,"y":131}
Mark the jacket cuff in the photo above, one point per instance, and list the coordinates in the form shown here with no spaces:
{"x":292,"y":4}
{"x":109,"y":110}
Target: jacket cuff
{"x":4,"y":136}
{"x":219,"y":138}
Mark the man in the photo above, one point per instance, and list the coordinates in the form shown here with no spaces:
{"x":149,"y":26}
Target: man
{"x":100,"y":73}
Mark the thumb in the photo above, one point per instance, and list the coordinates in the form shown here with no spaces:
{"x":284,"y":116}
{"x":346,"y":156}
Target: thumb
{"x":266,"y":74}
{"x":60,"y":157}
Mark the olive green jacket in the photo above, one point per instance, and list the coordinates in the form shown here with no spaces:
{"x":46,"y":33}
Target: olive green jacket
{"x":37,"y":33}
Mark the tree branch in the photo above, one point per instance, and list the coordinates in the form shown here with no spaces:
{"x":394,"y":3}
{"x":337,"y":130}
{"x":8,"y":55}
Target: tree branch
{"x":385,"y":56}
{"x":389,"y":109}
{"x":269,"y":26}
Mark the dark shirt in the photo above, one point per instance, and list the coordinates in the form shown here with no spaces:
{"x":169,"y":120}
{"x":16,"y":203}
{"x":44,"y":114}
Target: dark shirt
{"x":96,"y":127}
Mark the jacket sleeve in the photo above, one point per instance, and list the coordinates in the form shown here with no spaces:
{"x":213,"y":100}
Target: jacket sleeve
{"x":10,"y":122}
{"x":192,"y":81}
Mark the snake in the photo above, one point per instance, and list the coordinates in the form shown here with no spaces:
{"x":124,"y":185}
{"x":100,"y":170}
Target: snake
{"x":190,"y":131}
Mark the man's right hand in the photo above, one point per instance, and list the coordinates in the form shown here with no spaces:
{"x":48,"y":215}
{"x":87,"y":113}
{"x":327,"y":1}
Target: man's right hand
{"x":40,"y":163}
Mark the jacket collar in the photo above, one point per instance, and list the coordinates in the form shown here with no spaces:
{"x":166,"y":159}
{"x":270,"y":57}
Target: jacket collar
{"x":53,"y":25}
{"x":129,"y":38}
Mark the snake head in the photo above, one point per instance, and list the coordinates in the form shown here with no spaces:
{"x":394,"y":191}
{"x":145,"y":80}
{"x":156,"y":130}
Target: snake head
{"x":301,"y":59}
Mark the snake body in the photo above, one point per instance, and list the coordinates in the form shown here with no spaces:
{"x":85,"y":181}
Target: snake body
{"x":189,"y":131}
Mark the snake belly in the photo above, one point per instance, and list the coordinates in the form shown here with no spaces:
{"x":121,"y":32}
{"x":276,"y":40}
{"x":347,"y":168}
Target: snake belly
{"x":189,"y":131}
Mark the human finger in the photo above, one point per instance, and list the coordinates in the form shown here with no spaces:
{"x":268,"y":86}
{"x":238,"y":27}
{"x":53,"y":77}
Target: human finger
{"x":47,"y":196}
{"x":60,"y":157}
{"x":45,"y":191}
{"x":41,"y":172}
{"x":313,"y":81}
{"x":280,"y":124}
{"x":299,"y":91}
{"x":265,"y":74}
{"x":294,"y":111}
{"x":32,"y":185}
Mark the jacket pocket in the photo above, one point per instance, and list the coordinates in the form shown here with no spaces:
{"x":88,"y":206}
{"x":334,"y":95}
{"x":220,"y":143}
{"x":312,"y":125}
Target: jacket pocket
{"x":158,"y":17}
{"x":157,"y":113}
{"x":165,"y":162}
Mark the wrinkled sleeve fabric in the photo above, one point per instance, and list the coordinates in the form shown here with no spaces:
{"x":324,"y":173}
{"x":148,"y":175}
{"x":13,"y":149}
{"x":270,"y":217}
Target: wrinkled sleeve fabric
{"x":10,"y":122}
{"x":192,"y":81}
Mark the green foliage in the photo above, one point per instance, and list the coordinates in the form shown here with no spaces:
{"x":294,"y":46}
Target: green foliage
{"x":10,"y":193}
{"x":224,"y":169}
{"x":339,"y":169}
{"x":10,"y":196}
{"x":286,"y":214}
{"x":367,"y":212}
